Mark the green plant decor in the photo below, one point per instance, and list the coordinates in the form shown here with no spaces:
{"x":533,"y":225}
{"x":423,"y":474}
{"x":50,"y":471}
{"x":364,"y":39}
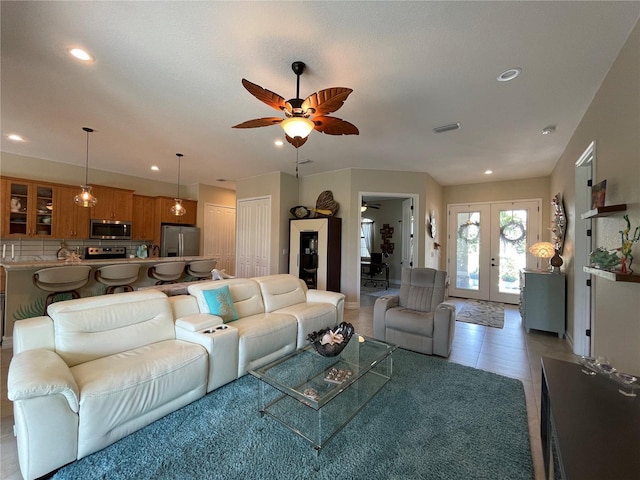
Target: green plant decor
{"x":626,"y":250}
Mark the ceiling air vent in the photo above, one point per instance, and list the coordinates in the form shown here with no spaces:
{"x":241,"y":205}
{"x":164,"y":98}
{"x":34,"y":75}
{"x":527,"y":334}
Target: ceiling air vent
{"x":446,"y":128}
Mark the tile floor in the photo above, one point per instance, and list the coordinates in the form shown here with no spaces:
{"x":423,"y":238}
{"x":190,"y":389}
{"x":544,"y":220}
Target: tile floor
{"x":509,"y":351}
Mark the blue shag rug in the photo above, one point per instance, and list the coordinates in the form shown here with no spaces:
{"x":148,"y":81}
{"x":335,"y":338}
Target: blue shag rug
{"x":433,"y":420}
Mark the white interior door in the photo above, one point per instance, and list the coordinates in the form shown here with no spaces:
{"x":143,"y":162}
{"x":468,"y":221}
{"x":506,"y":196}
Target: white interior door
{"x":220,"y":236}
{"x":253,"y":237}
{"x":488,"y":246}
{"x":583,"y":320}
{"x":407,"y":233}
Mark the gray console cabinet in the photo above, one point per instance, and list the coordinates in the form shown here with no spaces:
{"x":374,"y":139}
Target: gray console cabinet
{"x":542,"y":301}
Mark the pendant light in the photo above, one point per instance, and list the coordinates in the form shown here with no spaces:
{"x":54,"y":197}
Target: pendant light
{"x":177,"y":209}
{"x":85,"y":198}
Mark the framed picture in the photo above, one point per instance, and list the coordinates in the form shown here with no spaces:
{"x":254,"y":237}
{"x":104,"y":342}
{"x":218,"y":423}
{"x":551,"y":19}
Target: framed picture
{"x":598,"y":192}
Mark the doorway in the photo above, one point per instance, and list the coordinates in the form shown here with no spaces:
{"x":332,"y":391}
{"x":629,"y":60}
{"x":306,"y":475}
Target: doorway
{"x":488,"y":247}
{"x":392,"y":234}
{"x":582,"y":316}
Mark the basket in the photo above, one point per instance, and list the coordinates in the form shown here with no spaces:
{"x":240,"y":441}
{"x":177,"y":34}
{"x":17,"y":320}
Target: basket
{"x":331,"y":350}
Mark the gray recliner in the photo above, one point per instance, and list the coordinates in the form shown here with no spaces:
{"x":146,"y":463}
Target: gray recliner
{"x":417,"y":319}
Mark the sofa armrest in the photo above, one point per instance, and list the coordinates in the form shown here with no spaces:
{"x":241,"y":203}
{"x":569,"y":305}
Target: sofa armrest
{"x":197,"y":321}
{"x":41,"y":373}
{"x":334,"y":298}
{"x":32,"y":333}
{"x":379,"y":311}
{"x":444,"y":326}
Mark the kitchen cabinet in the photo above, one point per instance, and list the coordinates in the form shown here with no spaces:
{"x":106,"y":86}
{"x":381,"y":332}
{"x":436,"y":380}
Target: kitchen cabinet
{"x":542,"y":301}
{"x":163,"y":211}
{"x":27,"y":209}
{"x":143,"y":223}
{"x":315,"y":251}
{"x":70,"y":220}
{"x":113,"y":204}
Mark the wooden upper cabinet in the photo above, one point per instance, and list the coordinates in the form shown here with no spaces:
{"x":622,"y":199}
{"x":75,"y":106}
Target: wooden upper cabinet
{"x":143,"y":224}
{"x":70,"y":220}
{"x":113,"y":204}
{"x":163,"y":211}
{"x":27,"y":209}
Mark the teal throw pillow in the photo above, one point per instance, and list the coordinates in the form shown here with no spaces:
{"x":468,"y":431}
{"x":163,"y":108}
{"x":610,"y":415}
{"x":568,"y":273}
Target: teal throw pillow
{"x":220,"y":303}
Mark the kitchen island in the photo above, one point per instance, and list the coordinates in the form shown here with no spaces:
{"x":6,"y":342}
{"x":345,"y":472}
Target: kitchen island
{"x":24,"y":300}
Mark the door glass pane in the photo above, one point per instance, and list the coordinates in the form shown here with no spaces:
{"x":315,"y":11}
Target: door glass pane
{"x":468,"y":250}
{"x":513,"y":249}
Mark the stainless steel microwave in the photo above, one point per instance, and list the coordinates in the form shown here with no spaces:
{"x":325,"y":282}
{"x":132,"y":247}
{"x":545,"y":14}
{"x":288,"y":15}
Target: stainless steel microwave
{"x":110,"y":229}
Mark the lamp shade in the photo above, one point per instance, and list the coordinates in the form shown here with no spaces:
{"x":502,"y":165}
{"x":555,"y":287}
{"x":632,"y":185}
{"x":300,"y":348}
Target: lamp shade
{"x":297,"y":127}
{"x":85,"y":198}
{"x":177,"y":209}
{"x":542,"y":250}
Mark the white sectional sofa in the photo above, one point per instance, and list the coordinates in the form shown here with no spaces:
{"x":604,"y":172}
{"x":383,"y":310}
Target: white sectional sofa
{"x":97,"y":369}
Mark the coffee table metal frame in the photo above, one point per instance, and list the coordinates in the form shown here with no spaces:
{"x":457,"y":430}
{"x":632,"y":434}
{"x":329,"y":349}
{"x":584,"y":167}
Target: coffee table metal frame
{"x":294,"y":390}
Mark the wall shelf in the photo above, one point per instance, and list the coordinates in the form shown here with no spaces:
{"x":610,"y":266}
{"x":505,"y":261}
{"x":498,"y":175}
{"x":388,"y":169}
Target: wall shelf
{"x":613,"y":276}
{"x":604,"y":211}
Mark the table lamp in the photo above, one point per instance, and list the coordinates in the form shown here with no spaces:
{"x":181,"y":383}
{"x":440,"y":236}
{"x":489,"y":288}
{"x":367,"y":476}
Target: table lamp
{"x":543,"y":250}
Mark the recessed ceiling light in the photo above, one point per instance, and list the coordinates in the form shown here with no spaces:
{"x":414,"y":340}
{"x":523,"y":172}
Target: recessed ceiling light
{"x":81,"y":54}
{"x":447,"y":128}
{"x":154,"y":168}
{"x":15,"y":137}
{"x":278,"y":143}
{"x":548,"y":130}
{"x":509,"y":74}
{"x":488,"y":172}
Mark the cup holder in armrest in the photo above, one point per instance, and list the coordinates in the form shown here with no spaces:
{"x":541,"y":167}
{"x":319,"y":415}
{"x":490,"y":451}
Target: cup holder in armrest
{"x":215,"y":329}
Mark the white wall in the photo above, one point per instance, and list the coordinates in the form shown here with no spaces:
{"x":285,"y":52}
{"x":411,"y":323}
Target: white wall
{"x":613,"y":121}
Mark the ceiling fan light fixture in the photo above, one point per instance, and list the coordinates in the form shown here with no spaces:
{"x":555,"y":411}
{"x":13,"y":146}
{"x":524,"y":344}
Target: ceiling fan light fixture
{"x":363,"y":208}
{"x":297,"y":127}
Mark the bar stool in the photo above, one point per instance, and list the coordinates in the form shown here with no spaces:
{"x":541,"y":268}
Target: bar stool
{"x":118,"y":276}
{"x":168,"y":272}
{"x":58,"y":280}
{"x":201,"y":269}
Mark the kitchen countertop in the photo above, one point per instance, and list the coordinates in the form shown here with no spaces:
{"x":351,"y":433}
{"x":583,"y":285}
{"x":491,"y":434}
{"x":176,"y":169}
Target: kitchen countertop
{"x":50,"y":262}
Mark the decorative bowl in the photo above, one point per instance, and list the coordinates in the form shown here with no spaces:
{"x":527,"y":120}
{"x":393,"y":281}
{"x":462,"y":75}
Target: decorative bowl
{"x":328,"y":349}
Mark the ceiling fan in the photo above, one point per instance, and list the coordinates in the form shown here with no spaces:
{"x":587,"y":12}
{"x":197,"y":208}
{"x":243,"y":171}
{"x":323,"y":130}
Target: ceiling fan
{"x":302,"y":116}
{"x":366,"y":205}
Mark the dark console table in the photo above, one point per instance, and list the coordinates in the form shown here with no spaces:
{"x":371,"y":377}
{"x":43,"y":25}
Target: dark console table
{"x":596,"y":430}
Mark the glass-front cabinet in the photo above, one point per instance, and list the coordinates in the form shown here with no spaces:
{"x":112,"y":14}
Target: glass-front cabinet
{"x":28,"y":209}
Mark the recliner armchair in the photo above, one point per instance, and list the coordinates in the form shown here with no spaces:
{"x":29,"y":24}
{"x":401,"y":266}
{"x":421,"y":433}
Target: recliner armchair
{"x":417,"y":319}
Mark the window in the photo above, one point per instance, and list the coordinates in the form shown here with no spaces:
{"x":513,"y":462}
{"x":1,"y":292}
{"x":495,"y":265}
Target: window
{"x":366,"y":238}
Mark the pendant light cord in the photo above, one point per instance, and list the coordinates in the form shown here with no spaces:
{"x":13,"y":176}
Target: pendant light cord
{"x":179,"y":155}
{"x":86,"y":168}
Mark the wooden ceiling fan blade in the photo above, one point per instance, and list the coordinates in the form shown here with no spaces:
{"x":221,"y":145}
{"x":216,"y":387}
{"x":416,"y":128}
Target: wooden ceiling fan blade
{"x":334,"y":126}
{"x":272,"y":99}
{"x":297,"y":141}
{"x":326,"y":101}
{"x":259,"y":122}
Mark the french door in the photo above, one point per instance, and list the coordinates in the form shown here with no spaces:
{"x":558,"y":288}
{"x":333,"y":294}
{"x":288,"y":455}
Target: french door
{"x":488,"y":246}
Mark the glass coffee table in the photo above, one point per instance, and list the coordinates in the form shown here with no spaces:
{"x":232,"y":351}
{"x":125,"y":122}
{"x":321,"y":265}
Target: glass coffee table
{"x":317,"y":396}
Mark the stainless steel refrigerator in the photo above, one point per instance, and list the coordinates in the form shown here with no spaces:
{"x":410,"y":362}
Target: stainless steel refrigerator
{"x":179,"y":241}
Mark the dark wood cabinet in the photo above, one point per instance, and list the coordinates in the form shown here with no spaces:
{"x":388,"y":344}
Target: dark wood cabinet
{"x":315,"y":251}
